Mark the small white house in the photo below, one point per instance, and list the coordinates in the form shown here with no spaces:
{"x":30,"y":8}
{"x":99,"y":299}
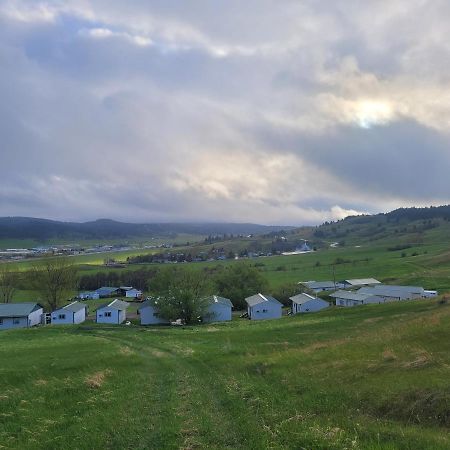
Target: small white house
{"x":219,"y":309}
{"x":261,"y":306}
{"x":73,"y":313}
{"x":20,"y":315}
{"x":133,"y":293}
{"x":304,"y":303}
{"x":148,"y":312}
{"x":114,"y":312}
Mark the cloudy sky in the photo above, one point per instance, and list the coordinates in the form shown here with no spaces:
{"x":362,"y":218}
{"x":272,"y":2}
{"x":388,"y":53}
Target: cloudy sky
{"x":269,"y":111}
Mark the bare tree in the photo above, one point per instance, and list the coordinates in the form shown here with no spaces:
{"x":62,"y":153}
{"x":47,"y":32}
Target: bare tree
{"x":8,"y":280}
{"x":55,"y":279}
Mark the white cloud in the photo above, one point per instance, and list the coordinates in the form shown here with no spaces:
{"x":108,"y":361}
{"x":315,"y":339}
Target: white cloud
{"x":238,"y":111}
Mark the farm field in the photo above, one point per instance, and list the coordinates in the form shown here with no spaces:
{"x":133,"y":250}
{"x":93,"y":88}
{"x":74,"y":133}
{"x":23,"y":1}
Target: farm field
{"x":373,"y":377}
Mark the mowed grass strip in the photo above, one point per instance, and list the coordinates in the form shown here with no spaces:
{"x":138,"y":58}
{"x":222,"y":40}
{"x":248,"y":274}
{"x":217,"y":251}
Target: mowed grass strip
{"x":372,"y":377}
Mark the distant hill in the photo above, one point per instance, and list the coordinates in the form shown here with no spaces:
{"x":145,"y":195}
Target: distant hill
{"x":403,"y":225}
{"x":44,"y":229}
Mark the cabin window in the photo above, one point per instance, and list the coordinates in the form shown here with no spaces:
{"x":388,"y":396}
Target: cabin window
{"x":1,"y":321}
{"x":61,"y":316}
{"x":108,"y":314}
{"x":16,"y":321}
{"x":264,"y":310}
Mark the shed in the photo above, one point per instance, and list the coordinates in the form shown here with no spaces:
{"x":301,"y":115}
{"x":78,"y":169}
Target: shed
{"x":219,"y":309}
{"x":72,"y":313}
{"x":303,"y":303}
{"x":133,"y":293}
{"x":114,"y":312}
{"x":148,"y":312}
{"x":261,"y":306}
{"x":20,"y":315}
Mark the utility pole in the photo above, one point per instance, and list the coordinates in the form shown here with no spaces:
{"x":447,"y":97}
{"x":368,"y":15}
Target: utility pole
{"x":334,"y":276}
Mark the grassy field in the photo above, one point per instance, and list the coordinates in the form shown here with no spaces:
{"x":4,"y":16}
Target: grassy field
{"x":373,"y":377}
{"x":429,"y":268}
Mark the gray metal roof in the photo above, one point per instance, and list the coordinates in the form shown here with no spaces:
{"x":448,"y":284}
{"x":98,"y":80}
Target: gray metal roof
{"x":221,"y":300}
{"x":362,"y":281}
{"x":115,"y":304}
{"x":18,"y":309}
{"x":319,"y":284}
{"x":392,"y":291}
{"x":106,"y":290}
{"x":73,"y":307}
{"x":351,"y":295}
{"x":261,"y":298}
{"x":146,"y":304}
{"x":300,"y":299}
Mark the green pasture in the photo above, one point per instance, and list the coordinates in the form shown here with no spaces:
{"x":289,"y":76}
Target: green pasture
{"x":372,"y":377}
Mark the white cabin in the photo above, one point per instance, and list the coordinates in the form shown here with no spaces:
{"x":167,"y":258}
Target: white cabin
{"x":114,"y":312}
{"x":304,"y":303}
{"x":148,"y":312}
{"x":133,"y":293}
{"x":219,"y":309}
{"x":260,"y":307}
{"x":73,"y":313}
{"x":20,"y":315}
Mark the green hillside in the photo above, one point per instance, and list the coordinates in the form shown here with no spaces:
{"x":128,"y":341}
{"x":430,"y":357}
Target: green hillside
{"x":373,"y":377}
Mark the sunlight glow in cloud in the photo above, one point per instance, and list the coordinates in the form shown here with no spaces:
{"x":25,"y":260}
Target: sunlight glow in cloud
{"x":371,"y":113}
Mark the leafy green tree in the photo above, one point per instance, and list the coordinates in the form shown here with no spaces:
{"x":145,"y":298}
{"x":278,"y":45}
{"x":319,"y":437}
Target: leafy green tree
{"x":181,"y":294}
{"x":239,"y":281}
{"x":55,"y":279}
{"x":284,"y":292}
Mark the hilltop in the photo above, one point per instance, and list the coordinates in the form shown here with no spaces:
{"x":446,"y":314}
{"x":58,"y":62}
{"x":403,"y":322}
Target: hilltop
{"x":42,"y":230}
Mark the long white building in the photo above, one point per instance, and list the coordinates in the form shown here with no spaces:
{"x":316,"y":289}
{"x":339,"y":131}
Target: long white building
{"x":20,"y":315}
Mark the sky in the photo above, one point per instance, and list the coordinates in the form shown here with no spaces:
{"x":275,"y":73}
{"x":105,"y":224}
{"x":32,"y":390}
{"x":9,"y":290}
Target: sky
{"x":266,"y":111}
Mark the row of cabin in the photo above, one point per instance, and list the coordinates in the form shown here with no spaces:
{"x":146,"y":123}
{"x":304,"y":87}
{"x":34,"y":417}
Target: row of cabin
{"x":380,"y":293}
{"x":259,"y":307}
{"x":108,"y":291}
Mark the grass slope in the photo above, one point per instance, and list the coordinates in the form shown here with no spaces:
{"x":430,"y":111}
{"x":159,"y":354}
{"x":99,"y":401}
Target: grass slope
{"x":373,"y":377}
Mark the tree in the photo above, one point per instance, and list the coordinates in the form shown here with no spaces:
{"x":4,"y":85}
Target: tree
{"x":55,"y":279}
{"x":181,"y":294}
{"x":8,"y":280}
{"x":239,"y":281}
{"x":285,"y":291}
